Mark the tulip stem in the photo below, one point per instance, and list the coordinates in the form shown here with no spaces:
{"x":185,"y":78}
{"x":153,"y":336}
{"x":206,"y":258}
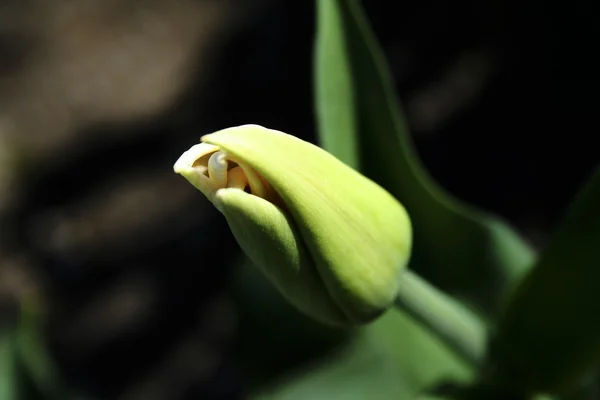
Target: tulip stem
{"x":452,"y":322}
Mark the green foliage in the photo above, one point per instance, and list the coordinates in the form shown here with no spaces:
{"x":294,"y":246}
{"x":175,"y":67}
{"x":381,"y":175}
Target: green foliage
{"x":550,"y":334}
{"x":37,"y":364}
{"x":286,"y":352}
{"x":424,"y":361}
{"x":7,"y":365}
{"x":26,"y":370}
{"x":360,"y":369}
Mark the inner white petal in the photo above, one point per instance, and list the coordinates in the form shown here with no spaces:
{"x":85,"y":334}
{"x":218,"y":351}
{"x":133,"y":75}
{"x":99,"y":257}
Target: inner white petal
{"x":217,"y":169}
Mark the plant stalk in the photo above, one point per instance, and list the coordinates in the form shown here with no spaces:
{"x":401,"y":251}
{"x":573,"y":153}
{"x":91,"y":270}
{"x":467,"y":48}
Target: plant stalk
{"x":452,"y":322}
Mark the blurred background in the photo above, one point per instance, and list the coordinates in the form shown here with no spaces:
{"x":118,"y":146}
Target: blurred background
{"x":127,"y":270}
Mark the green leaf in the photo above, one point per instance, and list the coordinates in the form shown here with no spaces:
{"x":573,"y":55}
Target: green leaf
{"x":421,"y":357}
{"x":587,"y":391}
{"x":8,"y":375}
{"x":34,"y":358}
{"x":334,"y":88}
{"x":550,"y":332}
{"x":378,"y":363}
{"x":280,"y":347}
{"x":359,"y":370}
{"x":433,"y":397}
{"x":469,"y":253}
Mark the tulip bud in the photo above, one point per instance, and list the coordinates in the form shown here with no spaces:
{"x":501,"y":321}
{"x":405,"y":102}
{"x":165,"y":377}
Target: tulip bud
{"x":333,"y":242}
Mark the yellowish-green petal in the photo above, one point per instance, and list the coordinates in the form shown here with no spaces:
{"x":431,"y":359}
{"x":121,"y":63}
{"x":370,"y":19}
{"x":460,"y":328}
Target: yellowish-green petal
{"x":269,"y":239}
{"x":187,"y":167}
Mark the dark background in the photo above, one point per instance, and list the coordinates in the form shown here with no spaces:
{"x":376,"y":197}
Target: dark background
{"x":99,"y":98}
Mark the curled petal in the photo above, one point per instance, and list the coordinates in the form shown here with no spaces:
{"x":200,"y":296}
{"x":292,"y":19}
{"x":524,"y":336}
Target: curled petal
{"x":192,"y":165}
{"x":209,"y":168}
{"x":257,"y":225}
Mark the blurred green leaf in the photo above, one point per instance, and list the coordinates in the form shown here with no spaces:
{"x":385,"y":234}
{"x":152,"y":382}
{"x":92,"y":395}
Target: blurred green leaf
{"x":550,"y":333}
{"x":32,"y":352}
{"x":8,"y":375}
{"x":433,"y":397}
{"x":26,"y":370}
{"x":474,"y":256}
{"x":359,"y":370}
{"x":277,"y":341}
{"x":421,"y":358}
{"x":588,"y":391}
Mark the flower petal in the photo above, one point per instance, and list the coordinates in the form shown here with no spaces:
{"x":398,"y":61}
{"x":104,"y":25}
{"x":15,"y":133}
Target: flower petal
{"x":190,"y":166}
{"x":269,"y":239}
